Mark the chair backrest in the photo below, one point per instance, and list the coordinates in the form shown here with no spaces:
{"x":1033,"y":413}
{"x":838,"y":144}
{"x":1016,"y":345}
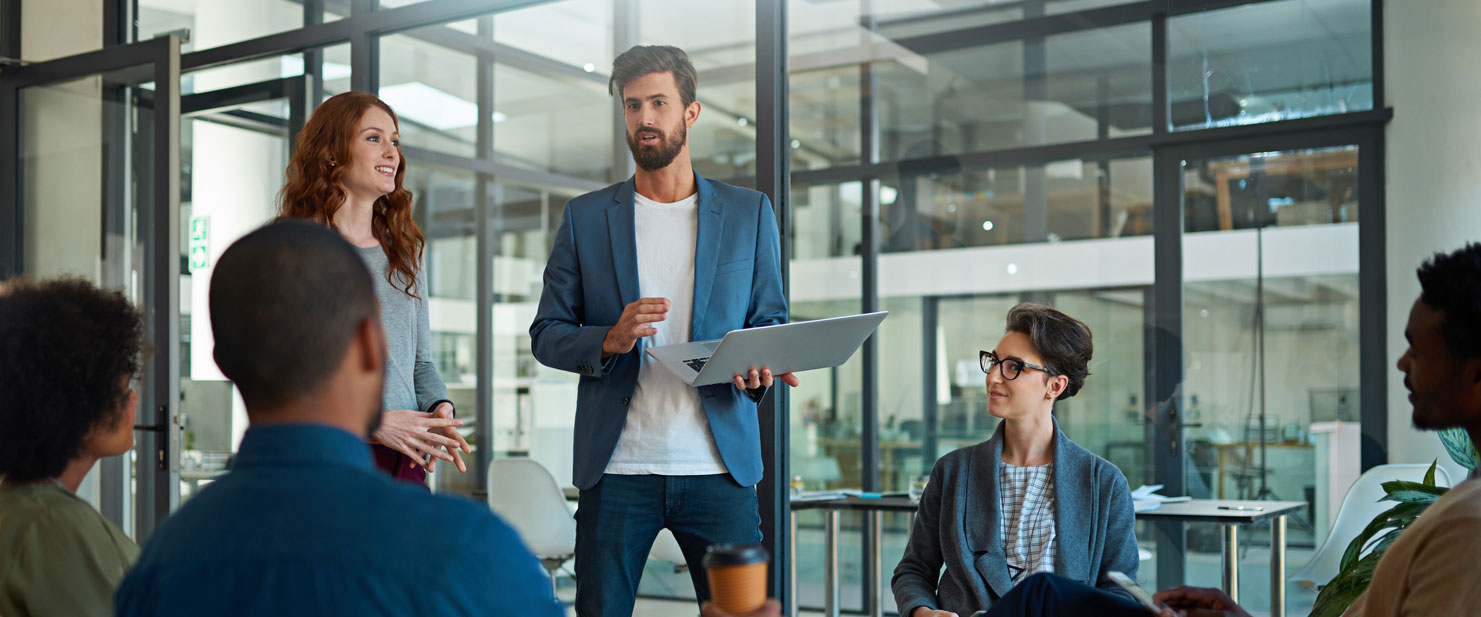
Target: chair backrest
{"x":1358,"y":509}
{"x":525,"y":495}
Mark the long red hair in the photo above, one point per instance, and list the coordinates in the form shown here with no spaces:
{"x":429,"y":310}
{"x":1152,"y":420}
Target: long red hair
{"x":314,"y":190}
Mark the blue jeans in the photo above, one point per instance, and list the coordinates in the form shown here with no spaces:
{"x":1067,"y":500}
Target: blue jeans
{"x":1046,"y":595}
{"x":618,"y":519}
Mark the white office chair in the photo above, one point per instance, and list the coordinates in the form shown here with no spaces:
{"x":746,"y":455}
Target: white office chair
{"x":666,"y":548}
{"x":1358,"y":509}
{"x":526,"y":496}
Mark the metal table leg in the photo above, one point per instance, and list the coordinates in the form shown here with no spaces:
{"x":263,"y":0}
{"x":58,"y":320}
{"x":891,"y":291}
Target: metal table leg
{"x":1231,"y":560}
{"x":830,"y":564}
{"x":876,"y":563}
{"x":1278,"y":567}
{"x":792,"y":562}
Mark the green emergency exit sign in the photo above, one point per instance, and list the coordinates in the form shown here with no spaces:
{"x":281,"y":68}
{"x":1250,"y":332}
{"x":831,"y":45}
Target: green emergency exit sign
{"x":199,"y":249}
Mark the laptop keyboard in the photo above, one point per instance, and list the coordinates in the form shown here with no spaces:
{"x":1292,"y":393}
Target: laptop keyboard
{"x":696,"y":363}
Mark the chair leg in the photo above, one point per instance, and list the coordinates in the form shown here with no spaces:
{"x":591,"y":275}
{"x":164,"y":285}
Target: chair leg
{"x":553,"y":567}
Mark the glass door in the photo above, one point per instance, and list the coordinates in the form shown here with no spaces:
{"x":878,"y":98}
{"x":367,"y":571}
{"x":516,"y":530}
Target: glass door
{"x":91,"y":191}
{"x":234,"y":145}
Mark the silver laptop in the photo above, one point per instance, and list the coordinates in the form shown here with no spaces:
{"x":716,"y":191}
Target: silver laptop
{"x":786,"y":348}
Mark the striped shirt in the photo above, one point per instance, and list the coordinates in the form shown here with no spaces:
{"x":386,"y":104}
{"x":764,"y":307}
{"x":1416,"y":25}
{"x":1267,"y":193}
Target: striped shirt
{"x":1027,"y":519}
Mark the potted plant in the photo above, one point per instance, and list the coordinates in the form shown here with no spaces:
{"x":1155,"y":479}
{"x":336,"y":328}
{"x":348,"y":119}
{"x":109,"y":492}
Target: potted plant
{"x":1356,"y":569}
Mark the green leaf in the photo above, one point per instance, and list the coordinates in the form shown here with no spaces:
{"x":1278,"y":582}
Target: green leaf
{"x":1397,"y":517}
{"x":1398,"y":486}
{"x":1339,"y":594}
{"x":1408,"y":496}
{"x":1458,"y":445}
{"x":1429,"y":476}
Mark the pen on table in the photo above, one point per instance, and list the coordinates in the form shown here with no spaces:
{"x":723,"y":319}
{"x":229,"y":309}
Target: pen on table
{"x":1242,"y":508}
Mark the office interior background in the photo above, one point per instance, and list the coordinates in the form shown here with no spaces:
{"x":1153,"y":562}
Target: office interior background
{"x":1233,"y":194}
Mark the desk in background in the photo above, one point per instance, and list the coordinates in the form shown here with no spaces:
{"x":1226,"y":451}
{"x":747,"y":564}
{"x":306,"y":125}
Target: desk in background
{"x":1229,"y":520}
{"x":874,"y":508}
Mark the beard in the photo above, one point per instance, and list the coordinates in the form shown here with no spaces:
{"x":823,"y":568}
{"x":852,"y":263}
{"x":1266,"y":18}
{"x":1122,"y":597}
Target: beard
{"x":659,"y":157}
{"x":374,"y":423}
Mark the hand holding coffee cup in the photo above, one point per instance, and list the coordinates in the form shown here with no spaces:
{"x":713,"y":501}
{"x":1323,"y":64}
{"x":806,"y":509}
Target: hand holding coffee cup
{"x":737,"y":575}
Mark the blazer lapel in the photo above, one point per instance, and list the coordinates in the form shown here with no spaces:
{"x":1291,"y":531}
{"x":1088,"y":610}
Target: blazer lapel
{"x":620,"y":226}
{"x":710,"y":231}
{"x":1074,"y":491}
{"x":983,"y":520}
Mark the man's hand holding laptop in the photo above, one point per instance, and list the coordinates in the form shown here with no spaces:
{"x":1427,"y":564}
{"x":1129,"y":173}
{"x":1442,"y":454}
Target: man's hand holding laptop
{"x":762,"y":379}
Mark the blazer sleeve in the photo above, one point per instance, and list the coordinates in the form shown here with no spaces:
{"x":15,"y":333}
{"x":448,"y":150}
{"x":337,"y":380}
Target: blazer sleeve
{"x":768,"y":304}
{"x":1120,"y":552}
{"x":560,"y":337}
{"x":915,"y":579}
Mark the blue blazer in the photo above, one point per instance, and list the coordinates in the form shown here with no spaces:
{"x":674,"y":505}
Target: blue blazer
{"x":593,"y":274}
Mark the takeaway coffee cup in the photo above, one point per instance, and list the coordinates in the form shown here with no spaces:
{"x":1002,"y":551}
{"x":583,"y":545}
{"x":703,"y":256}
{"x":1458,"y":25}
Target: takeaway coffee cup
{"x":737,"y":574}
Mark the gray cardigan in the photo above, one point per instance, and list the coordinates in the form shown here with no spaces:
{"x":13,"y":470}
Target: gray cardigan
{"x":412,"y":381}
{"x":957,"y":525}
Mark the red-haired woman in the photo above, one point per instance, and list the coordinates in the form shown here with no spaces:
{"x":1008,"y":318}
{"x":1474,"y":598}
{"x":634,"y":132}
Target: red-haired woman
{"x":346,"y":173}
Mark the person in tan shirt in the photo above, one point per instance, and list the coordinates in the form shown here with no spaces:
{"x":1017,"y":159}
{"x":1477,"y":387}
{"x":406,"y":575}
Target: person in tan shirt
{"x":1431,"y":570}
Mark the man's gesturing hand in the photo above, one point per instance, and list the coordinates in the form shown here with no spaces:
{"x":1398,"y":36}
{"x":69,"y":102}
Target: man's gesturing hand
{"x":635,"y":323}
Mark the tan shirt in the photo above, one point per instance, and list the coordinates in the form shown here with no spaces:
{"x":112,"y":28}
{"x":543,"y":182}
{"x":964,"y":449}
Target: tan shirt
{"x":1434,"y":569}
{"x":58,"y":555}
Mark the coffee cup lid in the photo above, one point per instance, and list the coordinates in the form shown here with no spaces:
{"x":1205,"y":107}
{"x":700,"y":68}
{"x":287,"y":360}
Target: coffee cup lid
{"x":734,"y":555}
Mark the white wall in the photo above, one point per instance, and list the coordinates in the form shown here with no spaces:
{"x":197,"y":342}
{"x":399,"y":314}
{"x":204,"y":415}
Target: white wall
{"x":1434,"y":153}
{"x":55,"y":28}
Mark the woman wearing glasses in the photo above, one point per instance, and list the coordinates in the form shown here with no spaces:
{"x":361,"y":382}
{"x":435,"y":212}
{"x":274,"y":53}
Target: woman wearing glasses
{"x":1026,"y":500}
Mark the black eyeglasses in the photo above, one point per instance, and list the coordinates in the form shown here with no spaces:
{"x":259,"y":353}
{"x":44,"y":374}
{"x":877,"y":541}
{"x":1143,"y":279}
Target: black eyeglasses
{"x":1012,"y":367}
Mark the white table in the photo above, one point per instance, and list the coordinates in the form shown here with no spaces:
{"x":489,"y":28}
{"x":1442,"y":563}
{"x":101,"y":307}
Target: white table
{"x":1230,"y":515}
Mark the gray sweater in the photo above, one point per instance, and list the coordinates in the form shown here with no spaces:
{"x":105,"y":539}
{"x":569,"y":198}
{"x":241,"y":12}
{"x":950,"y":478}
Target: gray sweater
{"x":412,"y":381}
{"x":957,"y":525}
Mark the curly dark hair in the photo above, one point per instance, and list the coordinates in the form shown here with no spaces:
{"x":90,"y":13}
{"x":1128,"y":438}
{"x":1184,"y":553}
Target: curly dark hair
{"x":66,"y":347}
{"x":1450,"y":284}
{"x":1062,"y":341}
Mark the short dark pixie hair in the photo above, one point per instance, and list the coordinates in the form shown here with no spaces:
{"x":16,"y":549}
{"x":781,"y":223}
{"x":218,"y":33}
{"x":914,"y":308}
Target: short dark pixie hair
{"x":1063,"y":342}
{"x":66,"y":348}
{"x":1451,"y":284}
{"x":645,"y":59}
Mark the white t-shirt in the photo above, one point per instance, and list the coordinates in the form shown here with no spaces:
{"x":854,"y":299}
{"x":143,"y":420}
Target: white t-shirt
{"x":667,"y":432}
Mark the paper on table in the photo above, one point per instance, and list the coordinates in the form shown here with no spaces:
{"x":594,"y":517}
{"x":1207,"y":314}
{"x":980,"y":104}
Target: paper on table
{"x":1145,"y":498}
